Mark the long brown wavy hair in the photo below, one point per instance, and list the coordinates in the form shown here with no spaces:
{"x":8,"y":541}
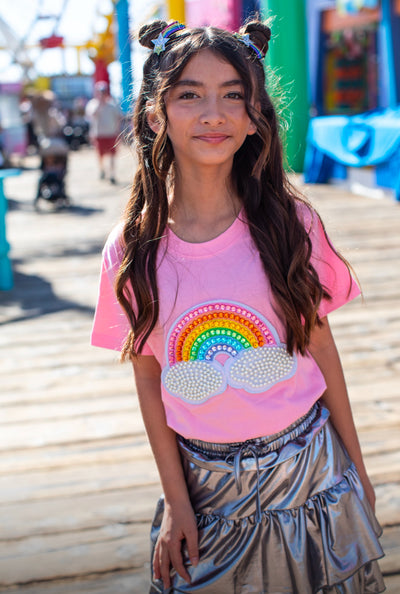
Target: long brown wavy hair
{"x":268,"y":199}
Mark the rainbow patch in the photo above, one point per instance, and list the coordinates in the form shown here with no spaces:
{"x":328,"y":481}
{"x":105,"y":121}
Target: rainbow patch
{"x":217,"y":344}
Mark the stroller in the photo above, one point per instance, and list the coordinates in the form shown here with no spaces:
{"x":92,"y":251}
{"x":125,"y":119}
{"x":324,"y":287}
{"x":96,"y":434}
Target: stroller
{"x":51,"y":185}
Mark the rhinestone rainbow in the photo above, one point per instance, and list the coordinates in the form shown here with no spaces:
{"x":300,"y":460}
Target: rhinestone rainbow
{"x":212,"y":328}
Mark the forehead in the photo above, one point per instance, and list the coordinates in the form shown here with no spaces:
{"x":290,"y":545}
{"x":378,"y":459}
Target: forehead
{"x":208,"y":66}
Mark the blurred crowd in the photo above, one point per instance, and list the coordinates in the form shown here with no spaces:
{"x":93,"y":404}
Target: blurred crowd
{"x":44,"y":117}
{"x":51,"y":129}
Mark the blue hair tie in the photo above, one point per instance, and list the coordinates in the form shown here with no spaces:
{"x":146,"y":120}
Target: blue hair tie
{"x":160,"y":42}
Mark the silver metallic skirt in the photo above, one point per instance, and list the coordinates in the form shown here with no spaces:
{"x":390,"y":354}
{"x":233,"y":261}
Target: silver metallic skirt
{"x":281,"y":514}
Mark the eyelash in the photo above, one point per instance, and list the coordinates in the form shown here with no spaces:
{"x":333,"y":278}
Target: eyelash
{"x":238,"y":95}
{"x":186,"y":93}
{"x":192,"y":95}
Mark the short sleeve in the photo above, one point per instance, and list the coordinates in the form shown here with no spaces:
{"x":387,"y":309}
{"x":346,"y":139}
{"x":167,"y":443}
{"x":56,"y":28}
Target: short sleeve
{"x":332,"y":271}
{"x":111,"y":325}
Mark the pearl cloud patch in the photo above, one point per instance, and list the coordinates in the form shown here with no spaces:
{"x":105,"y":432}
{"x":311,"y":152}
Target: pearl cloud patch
{"x":219,"y":344}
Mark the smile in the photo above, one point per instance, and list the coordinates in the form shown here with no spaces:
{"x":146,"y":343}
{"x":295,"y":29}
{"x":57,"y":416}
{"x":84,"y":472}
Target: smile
{"x":212,"y":138}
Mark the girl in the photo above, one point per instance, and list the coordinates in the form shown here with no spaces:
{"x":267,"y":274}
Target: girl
{"x":217,"y":285}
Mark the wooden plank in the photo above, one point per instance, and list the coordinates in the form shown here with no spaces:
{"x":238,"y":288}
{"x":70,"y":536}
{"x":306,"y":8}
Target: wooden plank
{"x":74,"y":454}
{"x":56,"y":409}
{"x":388,"y":505}
{"x":49,"y":388}
{"x":375,"y":441}
{"x":391,"y":545}
{"x":61,"y":431}
{"x":384,"y":467}
{"x":76,"y":481}
{"x":121,"y":582}
{"x":70,"y":513}
{"x":392,"y":583}
{"x":79,"y":553}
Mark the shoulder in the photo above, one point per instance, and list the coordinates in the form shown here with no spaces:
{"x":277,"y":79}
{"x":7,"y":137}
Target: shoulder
{"x":307,"y":215}
{"x":111,"y":105}
{"x":113,"y":250}
{"x":315,"y":229}
{"x":91,"y":105}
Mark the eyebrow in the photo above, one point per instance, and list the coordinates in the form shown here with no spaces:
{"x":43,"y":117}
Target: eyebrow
{"x":197,"y":83}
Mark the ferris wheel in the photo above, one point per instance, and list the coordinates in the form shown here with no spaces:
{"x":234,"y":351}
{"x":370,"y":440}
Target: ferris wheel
{"x":19,"y":47}
{"x":15,"y":46}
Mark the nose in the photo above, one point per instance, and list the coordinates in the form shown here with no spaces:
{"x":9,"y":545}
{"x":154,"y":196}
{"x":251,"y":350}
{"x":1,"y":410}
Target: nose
{"x":212,"y":113}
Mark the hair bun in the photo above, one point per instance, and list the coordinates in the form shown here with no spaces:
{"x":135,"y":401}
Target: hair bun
{"x":259,"y":34}
{"x":149,"y":32}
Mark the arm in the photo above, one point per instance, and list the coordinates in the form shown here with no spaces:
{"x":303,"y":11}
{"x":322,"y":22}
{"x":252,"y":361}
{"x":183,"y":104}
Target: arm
{"x":179,"y":522}
{"x":323,"y":349}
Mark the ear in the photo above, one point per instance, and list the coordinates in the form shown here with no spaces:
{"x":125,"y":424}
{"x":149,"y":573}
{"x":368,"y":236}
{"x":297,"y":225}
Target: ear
{"x":152,"y":118}
{"x":252,"y":129}
{"x":252,"y":125}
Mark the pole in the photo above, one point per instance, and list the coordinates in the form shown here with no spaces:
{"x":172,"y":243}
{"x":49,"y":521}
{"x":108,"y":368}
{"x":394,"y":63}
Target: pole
{"x":6,"y":275}
{"x":176,"y":10}
{"x":288,"y":57}
{"x":124,"y":45}
{"x":387,"y":46}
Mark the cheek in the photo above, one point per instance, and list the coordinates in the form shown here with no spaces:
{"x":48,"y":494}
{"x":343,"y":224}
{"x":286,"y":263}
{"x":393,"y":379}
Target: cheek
{"x":175,"y":119}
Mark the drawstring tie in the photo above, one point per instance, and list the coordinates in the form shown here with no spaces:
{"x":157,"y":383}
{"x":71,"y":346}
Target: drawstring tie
{"x":246,"y":448}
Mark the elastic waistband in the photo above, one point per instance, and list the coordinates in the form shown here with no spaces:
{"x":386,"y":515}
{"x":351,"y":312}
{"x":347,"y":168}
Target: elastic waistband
{"x":268,"y":443}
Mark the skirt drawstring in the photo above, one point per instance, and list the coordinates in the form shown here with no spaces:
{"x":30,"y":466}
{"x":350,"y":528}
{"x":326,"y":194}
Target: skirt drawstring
{"x":246,"y":448}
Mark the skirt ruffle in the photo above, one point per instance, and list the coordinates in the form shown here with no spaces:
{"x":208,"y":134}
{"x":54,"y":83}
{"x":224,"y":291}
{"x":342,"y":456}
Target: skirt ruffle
{"x":287,"y":516}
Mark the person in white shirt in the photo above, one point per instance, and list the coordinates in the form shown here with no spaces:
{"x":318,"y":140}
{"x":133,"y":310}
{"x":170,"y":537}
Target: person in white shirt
{"x":104,"y":118}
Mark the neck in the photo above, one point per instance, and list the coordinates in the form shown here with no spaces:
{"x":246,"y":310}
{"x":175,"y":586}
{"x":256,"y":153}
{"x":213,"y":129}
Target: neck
{"x":203,"y":197}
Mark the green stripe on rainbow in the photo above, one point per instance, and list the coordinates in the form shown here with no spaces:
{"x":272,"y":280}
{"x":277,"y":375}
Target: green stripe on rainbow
{"x":212,"y":328}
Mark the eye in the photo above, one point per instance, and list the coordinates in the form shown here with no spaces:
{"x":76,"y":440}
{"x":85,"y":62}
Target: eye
{"x":188,"y":95}
{"x":235,"y":95}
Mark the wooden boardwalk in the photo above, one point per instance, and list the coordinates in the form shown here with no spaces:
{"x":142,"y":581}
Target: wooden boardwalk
{"x":77,"y":481}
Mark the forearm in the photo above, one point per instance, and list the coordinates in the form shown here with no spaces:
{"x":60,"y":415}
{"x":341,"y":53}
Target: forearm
{"x":336,"y":398}
{"x":179,"y":521}
{"x":162,"y":441}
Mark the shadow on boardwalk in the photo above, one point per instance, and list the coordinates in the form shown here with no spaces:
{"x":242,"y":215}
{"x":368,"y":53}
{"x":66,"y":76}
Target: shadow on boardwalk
{"x":77,"y":481}
{"x":33,"y":296}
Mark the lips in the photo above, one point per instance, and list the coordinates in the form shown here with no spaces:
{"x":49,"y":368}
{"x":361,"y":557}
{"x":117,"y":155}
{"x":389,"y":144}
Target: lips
{"x":212,"y":138}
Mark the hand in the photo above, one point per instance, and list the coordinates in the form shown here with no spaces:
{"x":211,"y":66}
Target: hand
{"x":178,"y":524}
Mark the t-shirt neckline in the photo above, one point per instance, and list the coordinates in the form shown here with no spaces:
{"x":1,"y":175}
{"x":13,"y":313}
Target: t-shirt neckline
{"x":206,"y":248}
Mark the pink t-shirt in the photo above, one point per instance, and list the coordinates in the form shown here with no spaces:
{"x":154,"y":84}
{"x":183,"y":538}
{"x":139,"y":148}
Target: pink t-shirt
{"x":226,"y":374}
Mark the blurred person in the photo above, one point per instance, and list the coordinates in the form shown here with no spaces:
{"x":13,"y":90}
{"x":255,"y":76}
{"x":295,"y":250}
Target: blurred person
{"x":49,"y":122}
{"x":26,"y":109}
{"x":104,"y":118}
{"x":76,"y":131}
